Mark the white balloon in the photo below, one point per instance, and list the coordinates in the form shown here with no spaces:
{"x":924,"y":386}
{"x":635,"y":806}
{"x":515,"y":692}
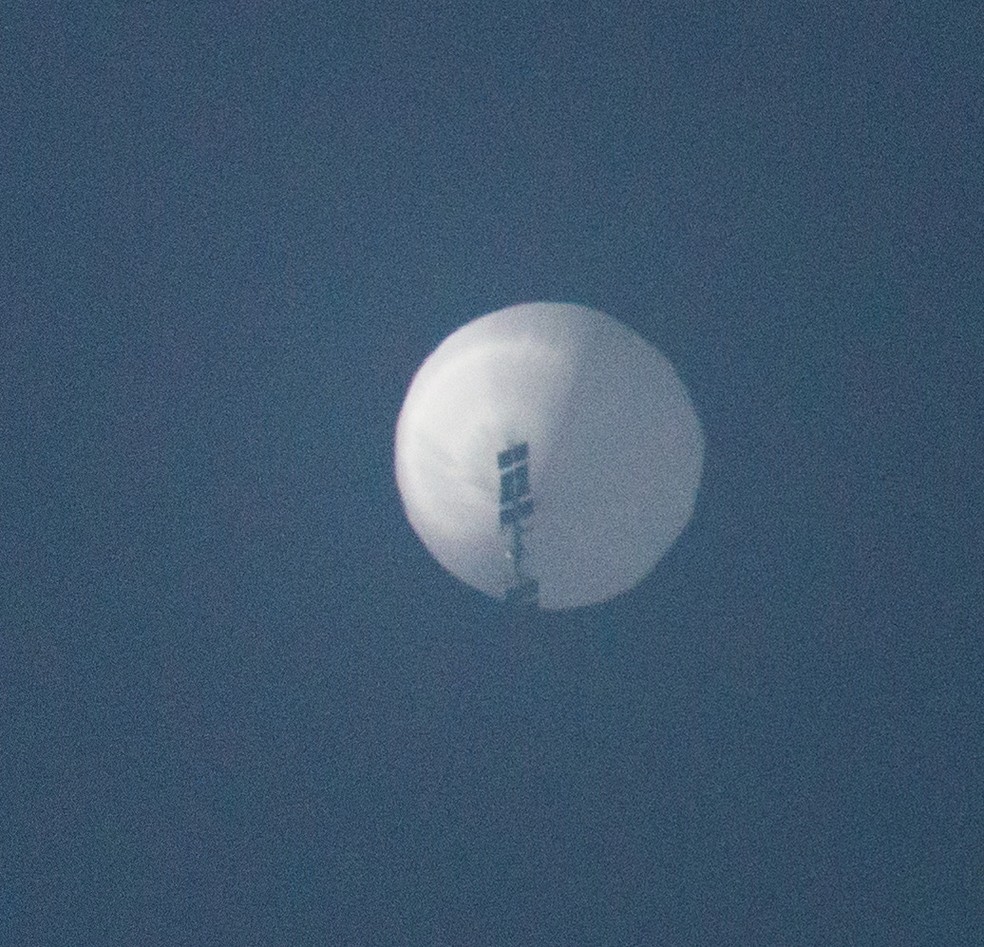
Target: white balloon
{"x":615,"y":451}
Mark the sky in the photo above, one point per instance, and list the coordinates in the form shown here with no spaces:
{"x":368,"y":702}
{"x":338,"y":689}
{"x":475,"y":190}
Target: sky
{"x":240,"y":703}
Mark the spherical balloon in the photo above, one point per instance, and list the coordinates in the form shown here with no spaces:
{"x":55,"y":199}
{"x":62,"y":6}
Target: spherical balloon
{"x":611,"y":453}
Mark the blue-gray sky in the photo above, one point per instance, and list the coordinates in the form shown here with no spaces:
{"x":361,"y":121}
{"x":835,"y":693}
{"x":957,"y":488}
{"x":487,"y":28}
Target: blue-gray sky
{"x":240,"y":704}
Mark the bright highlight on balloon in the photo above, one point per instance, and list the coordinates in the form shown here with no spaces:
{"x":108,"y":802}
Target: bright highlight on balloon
{"x":546,"y":452}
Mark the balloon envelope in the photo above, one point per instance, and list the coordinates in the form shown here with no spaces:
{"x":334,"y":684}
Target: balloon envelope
{"x":615,"y":451}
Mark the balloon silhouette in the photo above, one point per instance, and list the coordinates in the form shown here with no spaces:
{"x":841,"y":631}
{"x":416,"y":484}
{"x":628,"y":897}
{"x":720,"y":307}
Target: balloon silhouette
{"x":548,"y":447}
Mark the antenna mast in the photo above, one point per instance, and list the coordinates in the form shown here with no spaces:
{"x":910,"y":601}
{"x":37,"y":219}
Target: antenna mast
{"x":515,"y":508}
